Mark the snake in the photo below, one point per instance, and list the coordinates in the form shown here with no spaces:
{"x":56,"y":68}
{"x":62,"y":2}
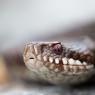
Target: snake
{"x":56,"y":63}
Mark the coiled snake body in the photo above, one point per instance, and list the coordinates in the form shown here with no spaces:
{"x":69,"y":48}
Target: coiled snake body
{"x":55,"y":63}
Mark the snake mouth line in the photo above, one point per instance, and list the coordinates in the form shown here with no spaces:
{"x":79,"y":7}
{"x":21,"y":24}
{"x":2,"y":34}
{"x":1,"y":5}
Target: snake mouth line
{"x":65,"y":64}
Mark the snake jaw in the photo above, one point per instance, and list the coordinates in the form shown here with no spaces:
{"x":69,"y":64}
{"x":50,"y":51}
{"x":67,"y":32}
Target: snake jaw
{"x":45,"y":55}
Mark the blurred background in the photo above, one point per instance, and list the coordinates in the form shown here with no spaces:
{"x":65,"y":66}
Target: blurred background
{"x":23,"y":21}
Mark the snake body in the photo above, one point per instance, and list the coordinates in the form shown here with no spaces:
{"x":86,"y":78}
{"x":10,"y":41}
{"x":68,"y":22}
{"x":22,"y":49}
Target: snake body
{"x":55,"y":63}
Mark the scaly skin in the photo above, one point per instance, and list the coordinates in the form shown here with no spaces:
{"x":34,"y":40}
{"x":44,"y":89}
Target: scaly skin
{"x":55,"y":63}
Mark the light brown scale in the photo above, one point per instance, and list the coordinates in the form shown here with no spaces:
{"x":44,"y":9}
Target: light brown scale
{"x":71,"y":68}
{"x":46,"y":64}
{"x":36,"y":49}
{"x":82,"y":68}
{"x":60,"y":65}
{"x":77,"y":69}
{"x":39,"y":57}
{"x":51,"y":66}
{"x":25,"y":50}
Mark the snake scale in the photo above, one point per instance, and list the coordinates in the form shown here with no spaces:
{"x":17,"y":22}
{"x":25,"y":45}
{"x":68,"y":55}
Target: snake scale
{"x":57,"y":64}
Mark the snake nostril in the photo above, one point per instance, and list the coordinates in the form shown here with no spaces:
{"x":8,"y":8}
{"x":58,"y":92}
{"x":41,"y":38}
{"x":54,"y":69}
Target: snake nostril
{"x":31,"y":58}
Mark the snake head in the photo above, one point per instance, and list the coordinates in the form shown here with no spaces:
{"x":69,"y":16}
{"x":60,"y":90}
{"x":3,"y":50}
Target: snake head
{"x":56,"y":58}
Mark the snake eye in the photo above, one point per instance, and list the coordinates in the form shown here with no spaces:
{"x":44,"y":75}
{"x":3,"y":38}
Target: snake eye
{"x":57,"y":48}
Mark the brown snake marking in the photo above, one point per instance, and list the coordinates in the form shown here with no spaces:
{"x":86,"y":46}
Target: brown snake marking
{"x":56,"y":63}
